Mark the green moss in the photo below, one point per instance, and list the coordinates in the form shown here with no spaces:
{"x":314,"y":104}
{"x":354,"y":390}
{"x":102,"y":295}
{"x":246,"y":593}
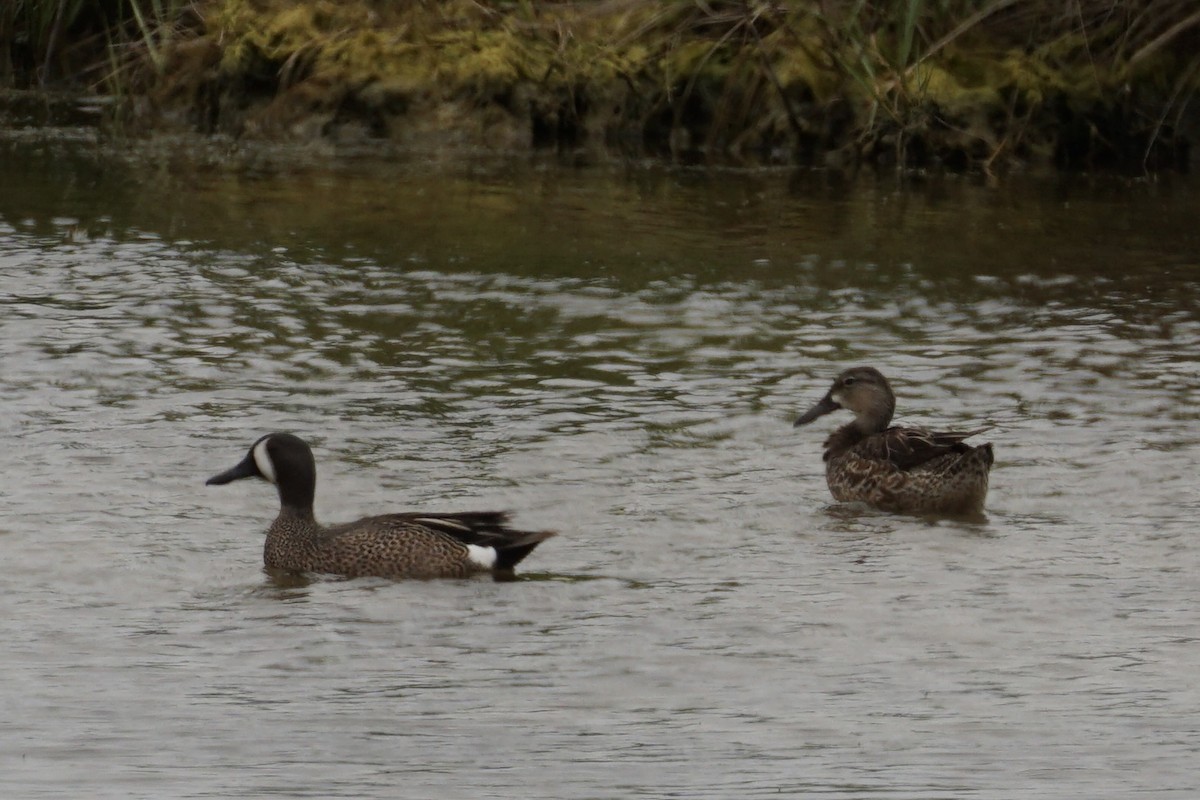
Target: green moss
{"x":956,"y":97}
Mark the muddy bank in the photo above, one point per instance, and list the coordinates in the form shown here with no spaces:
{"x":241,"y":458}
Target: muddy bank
{"x":1014,"y":83}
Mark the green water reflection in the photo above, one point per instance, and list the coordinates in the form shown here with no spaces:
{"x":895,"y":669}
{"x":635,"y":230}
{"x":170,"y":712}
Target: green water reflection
{"x":1106,"y":242}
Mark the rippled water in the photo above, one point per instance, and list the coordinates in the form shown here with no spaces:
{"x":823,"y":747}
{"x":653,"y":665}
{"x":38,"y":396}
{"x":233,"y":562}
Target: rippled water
{"x":618,"y":354}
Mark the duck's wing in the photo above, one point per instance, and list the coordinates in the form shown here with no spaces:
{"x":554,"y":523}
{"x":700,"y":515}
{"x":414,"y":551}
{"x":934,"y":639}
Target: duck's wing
{"x":478,"y":528}
{"x":908,"y":448}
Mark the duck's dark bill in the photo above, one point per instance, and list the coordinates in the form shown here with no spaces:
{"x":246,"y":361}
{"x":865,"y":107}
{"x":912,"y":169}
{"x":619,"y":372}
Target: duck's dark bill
{"x":823,"y":407}
{"x":246,"y":469}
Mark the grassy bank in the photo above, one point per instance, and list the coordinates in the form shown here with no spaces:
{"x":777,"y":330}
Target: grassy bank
{"x":962,"y":83}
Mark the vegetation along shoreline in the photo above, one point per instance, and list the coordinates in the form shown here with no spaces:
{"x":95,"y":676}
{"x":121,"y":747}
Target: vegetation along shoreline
{"x":982,"y":85}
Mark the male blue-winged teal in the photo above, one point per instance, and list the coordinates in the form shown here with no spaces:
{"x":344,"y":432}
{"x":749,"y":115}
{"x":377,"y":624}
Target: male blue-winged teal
{"x":389,"y":546}
{"x":905,"y":470}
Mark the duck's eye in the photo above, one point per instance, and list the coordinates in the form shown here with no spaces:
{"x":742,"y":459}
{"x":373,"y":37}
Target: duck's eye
{"x":848,"y":381}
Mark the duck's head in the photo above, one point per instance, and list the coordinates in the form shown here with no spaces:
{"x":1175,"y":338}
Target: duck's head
{"x":279,"y":458}
{"x":862,"y":390}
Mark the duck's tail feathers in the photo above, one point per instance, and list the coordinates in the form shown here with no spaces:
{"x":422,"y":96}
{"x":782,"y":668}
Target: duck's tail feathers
{"x":510,"y":553}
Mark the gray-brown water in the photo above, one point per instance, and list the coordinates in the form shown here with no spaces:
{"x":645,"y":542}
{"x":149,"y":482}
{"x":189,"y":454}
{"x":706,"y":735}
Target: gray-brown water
{"x":618,"y":354}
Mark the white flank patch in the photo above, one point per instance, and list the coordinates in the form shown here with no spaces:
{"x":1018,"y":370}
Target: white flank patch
{"x":263,"y":460}
{"x":483,"y":556}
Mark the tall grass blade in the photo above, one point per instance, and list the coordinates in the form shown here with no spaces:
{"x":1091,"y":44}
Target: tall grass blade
{"x":908,"y":29}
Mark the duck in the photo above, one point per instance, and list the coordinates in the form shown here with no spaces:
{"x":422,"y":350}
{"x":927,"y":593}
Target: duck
{"x":405,"y":545}
{"x":897,"y":469}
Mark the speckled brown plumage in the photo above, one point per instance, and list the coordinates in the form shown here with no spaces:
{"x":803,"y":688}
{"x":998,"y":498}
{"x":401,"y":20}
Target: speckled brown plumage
{"x":391,"y":545}
{"x":905,"y":470}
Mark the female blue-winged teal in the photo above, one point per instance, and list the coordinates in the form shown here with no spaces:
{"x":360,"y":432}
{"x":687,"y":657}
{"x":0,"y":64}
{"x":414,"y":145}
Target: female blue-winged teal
{"x":389,"y":546}
{"x":906,"y":470}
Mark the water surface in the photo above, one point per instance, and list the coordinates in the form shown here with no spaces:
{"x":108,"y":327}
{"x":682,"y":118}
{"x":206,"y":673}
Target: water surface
{"x":617,"y":353}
